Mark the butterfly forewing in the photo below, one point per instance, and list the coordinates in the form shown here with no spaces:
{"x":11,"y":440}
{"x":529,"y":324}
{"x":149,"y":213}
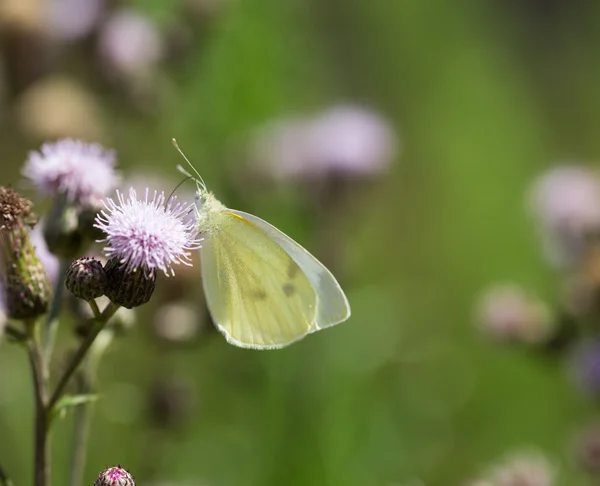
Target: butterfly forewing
{"x":332,"y":304}
{"x":257,"y":294}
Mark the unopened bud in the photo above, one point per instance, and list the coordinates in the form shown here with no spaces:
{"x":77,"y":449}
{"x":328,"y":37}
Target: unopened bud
{"x":114,"y":476}
{"x":126,"y":288}
{"x":86,"y":279}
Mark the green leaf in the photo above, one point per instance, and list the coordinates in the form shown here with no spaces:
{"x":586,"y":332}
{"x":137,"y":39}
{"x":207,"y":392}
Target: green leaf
{"x":69,"y":401}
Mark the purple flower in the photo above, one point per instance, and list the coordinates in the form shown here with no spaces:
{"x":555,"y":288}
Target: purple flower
{"x":585,"y":366}
{"x":80,"y":170}
{"x":49,"y":260}
{"x":565,"y":205}
{"x":130,"y":43}
{"x":148,"y":233}
{"x":344,"y":140}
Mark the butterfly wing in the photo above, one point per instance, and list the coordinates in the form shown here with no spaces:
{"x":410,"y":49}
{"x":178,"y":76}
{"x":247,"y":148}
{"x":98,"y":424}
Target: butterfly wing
{"x":332,"y":304}
{"x":257,"y":294}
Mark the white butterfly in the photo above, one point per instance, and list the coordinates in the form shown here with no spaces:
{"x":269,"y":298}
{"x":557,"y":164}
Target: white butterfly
{"x":263,"y":290}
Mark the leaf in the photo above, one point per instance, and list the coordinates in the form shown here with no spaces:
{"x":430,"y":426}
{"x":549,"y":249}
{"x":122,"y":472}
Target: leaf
{"x":69,"y":401}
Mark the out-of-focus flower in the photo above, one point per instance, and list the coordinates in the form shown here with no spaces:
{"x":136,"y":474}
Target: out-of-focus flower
{"x":130,"y":43}
{"x":178,"y":323}
{"x":585,"y":366}
{"x":114,"y":476}
{"x":524,"y":469}
{"x":344,"y":140}
{"x":79,"y":170}
{"x":148,"y":234}
{"x":351,"y":140}
{"x":506,"y":313}
{"x":588,"y":450}
{"x":49,"y":261}
{"x":24,"y":279}
{"x":57,"y":107}
{"x":86,"y":278}
{"x":565,"y":203}
{"x":72,"y":19}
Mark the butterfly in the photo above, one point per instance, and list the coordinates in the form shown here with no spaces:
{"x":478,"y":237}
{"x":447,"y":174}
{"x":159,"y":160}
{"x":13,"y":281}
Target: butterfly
{"x":263,"y":290}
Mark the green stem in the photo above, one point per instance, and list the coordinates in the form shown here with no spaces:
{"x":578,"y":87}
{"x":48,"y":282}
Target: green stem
{"x":80,"y":440}
{"x":41,"y":437}
{"x":85,"y":379}
{"x":52,"y":321}
{"x":80,"y":354}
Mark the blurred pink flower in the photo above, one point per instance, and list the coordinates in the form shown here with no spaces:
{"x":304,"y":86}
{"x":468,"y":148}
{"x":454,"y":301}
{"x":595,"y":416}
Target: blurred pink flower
{"x":506,"y":313}
{"x":351,"y":140}
{"x":130,"y":43}
{"x":528,"y":468}
{"x":82,"y":171}
{"x":49,"y":261}
{"x":72,"y":19}
{"x":565,"y":202}
{"x":345,"y":140}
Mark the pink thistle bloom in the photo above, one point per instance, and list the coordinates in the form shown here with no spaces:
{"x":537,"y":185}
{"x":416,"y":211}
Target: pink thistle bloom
{"x":148,"y":233}
{"x":80,"y":170}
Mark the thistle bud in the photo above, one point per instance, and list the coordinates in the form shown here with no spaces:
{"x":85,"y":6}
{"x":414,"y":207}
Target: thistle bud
{"x":114,"y":476}
{"x":27,"y":286}
{"x":87,"y":218}
{"x":128,"y":288}
{"x":86,"y":279}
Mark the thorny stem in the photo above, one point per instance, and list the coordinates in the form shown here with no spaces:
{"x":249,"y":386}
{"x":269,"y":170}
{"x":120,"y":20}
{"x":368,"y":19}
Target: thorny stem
{"x":80,"y":354}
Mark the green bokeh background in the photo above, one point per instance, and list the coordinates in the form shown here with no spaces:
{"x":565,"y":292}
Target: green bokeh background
{"x":485,"y":94}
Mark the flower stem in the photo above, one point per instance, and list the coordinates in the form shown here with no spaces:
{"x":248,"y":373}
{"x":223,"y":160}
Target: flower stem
{"x":80,"y":354}
{"x":41,"y":437}
{"x":82,"y":416}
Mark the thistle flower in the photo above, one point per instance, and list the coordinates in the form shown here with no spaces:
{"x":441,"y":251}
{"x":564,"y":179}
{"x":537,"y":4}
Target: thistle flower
{"x":130,"y":43}
{"x":565,"y":203}
{"x":147,"y":234}
{"x":114,"y":476}
{"x":344,"y":141}
{"x":79,"y":170}
{"x":506,"y":313}
{"x":143,"y":236}
{"x":524,"y":469}
{"x":26,"y":284}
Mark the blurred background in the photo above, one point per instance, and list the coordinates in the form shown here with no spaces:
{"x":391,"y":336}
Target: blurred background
{"x":396,"y":140}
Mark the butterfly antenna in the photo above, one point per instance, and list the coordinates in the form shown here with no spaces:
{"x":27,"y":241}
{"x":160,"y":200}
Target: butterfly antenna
{"x":187,"y":178}
{"x":198,"y":177}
